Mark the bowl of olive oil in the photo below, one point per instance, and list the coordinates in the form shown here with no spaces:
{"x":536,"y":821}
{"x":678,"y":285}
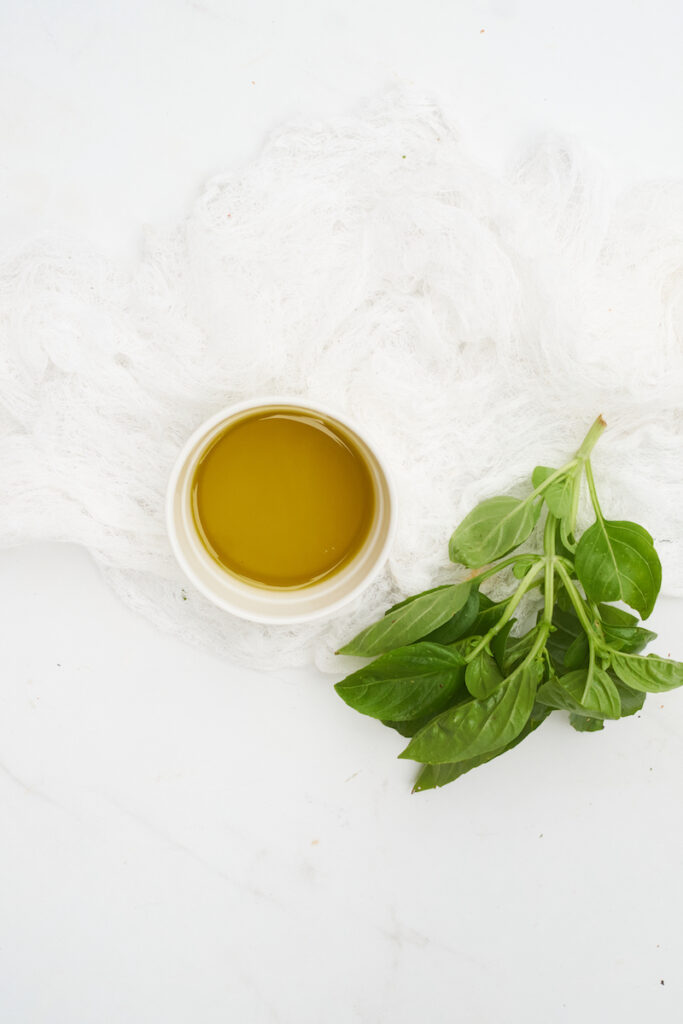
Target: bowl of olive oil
{"x":279,"y":510}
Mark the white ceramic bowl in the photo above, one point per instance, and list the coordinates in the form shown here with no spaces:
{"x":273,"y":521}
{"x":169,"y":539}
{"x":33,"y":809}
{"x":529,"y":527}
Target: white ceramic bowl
{"x":251,"y":600}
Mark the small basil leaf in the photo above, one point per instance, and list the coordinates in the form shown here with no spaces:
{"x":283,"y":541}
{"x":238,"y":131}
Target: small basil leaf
{"x":594,"y":694}
{"x":616,"y":561}
{"x":576,"y":655}
{"x":486,"y":619}
{"x":563,"y":600}
{"x":414,"y":597}
{"x":582,"y":723}
{"x":521,"y":568}
{"x":465,"y":645}
{"x":649,"y":673}
{"x":406,"y":683}
{"x":410,"y":622}
{"x":614,"y":616}
{"x":476,"y":727}
{"x":631,"y":700}
{"x":629,"y":639}
{"x":413,"y":725}
{"x":482,"y":676}
{"x":458,"y":624}
{"x":499,"y":643}
{"x":566,"y":629}
{"x":434,"y":775}
{"x":565,"y":544}
{"x":410,"y":726}
{"x":493,"y":528}
{"x":516,"y":648}
{"x":557,"y":495}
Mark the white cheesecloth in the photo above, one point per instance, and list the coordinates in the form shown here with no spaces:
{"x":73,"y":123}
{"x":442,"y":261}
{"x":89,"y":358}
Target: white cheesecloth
{"x":475,"y":324}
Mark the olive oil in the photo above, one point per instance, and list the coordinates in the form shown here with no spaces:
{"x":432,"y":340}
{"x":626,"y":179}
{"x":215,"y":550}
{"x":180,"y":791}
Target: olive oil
{"x":283,"y":498}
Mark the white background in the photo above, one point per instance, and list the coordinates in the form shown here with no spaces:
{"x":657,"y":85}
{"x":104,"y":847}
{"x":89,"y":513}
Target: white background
{"x":187,"y":841}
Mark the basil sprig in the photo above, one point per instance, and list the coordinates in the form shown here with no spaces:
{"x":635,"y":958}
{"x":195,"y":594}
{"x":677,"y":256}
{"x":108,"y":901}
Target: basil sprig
{"x":451,"y":676}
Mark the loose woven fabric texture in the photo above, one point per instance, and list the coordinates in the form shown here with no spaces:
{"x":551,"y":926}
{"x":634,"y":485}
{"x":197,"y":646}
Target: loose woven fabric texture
{"x":473,"y":323}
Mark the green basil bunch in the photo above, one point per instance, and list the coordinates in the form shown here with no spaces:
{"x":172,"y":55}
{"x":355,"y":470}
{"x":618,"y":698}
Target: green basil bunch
{"x":450,"y":675}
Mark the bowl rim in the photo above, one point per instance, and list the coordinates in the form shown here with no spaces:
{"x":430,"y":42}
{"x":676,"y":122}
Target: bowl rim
{"x":225,"y":602}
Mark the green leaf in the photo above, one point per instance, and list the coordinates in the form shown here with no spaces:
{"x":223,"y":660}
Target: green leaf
{"x":563,"y":600}
{"x":410,"y":726}
{"x":516,"y":648}
{"x":465,"y":645}
{"x":415,"y":597}
{"x":576,"y":655}
{"x":476,"y":727}
{"x":410,"y":622}
{"x":565,"y":544}
{"x":493,"y":528}
{"x":487,"y":618}
{"x":621,"y":630}
{"x":566,"y":630}
{"x":614,"y":616}
{"x":406,"y":683}
{"x":616,"y":561}
{"x":649,"y":673}
{"x":458,"y":624}
{"x":631,"y":700}
{"x":499,"y":642}
{"x":482,"y":676}
{"x":582,"y":723}
{"x":558,"y":495}
{"x":585,"y":693}
{"x":630,"y":639}
{"x":434,"y":775}
{"x":521,"y":568}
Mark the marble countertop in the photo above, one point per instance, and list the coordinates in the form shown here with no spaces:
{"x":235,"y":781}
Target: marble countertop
{"x":184,"y":840}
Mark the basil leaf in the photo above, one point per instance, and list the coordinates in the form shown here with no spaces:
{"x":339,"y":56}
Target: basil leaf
{"x":465,"y":645}
{"x":410,"y":622}
{"x":521,"y":568}
{"x":476,"y":727}
{"x":493,"y":528}
{"x":487,"y":618}
{"x":576,"y":655}
{"x":499,"y":643}
{"x":458,"y":624}
{"x":565,"y":544}
{"x":614,"y":616}
{"x":435,"y":775}
{"x":410,"y":726}
{"x":557,"y":495}
{"x":593,"y":694}
{"x":582,"y":723}
{"x":616,"y":560}
{"x":415,"y":597}
{"x":422,"y":679}
{"x":482,"y":676}
{"x":566,"y":629}
{"x":516,"y":648}
{"x":629,"y":639}
{"x":621,"y":630}
{"x":649,"y":673}
{"x":631,"y":701}
{"x":413,"y":725}
{"x":564,"y":601}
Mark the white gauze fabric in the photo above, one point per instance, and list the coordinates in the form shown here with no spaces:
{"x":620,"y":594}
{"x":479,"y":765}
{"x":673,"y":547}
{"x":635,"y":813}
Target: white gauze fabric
{"x":474,"y":324}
